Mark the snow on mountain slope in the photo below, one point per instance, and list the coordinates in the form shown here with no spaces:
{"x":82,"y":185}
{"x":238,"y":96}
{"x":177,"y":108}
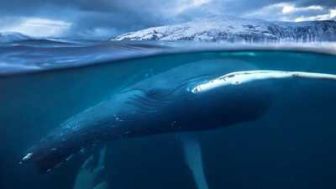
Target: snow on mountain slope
{"x":238,"y":30}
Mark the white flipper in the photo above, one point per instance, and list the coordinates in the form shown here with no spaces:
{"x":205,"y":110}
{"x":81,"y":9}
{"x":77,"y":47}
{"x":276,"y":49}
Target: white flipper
{"x":238,"y":78}
{"x":193,"y":158}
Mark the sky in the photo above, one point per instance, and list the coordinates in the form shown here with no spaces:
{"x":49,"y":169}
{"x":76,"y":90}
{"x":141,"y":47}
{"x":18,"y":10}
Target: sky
{"x":105,"y":18}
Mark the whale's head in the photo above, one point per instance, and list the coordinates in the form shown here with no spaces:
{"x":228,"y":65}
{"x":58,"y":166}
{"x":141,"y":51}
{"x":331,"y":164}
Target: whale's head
{"x":52,"y":151}
{"x":79,"y":135}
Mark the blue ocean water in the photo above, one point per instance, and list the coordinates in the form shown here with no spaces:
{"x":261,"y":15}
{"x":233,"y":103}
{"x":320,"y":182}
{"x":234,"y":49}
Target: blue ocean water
{"x":42,"y":83}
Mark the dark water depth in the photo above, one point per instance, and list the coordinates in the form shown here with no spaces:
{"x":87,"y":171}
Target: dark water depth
{"x":292,"y":146}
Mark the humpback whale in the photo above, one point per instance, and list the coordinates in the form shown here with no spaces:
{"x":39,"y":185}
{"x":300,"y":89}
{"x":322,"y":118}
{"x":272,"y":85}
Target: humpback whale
{"x":183,"y":99}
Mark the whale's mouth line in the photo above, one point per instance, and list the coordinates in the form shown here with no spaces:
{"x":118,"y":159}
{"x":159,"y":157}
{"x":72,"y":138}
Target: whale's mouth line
{"x":241,"y":77}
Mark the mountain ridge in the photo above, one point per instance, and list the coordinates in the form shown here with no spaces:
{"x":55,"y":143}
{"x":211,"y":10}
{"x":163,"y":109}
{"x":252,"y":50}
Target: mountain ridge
{"x":238,"y":30}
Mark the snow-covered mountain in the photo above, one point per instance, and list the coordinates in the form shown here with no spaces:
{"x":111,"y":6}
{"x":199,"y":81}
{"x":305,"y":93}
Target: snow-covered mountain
{"x":7,"y":37}
{"x":238,"y":30}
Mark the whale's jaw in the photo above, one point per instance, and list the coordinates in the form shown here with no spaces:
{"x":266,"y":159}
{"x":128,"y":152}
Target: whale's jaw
{"x":48,"y":155}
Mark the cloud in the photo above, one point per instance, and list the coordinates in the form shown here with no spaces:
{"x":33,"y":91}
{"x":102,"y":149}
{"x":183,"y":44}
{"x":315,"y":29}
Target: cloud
{"x":325,"y":3}
{"x":186,"y":5}
{"x":290,"y":8}
{"x":39,"y":27}
{"x":102,"y":18}
{"x":293,"y":12}
{"x":328,"y":16}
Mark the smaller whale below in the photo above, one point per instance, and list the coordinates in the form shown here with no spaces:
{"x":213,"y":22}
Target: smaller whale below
{"x":184,"y":99}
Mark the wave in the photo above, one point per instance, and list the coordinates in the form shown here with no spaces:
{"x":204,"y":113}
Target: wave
{"x":33,"y":55}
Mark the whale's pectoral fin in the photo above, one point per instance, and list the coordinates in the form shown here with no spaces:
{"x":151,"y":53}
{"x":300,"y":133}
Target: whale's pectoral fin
{"x":90,"y":174}
{"x":96,"y":160}
{"x":193,"y":158}
{"x":243,"y":77}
